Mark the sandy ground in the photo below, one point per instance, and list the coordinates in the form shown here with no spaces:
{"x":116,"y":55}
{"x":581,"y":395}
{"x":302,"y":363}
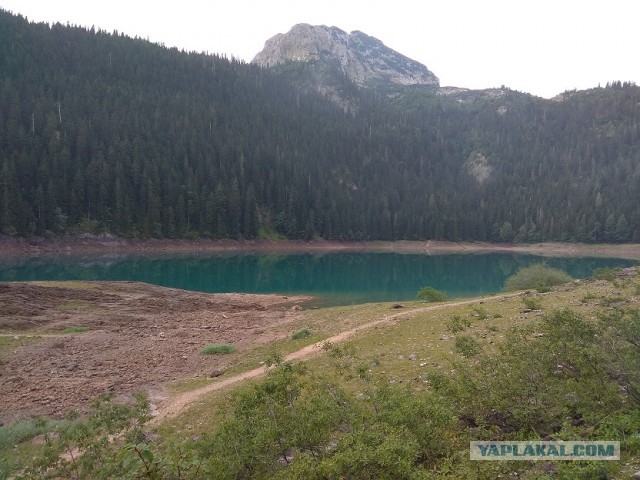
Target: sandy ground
{"x":139,"y":337}
{"x":106,"y":244}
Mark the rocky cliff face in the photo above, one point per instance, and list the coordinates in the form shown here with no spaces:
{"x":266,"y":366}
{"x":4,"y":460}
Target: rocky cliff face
{"x":363,"y":59}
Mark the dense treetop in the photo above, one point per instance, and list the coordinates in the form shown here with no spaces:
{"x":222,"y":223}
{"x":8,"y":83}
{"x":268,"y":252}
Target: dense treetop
{"x":100,"y":132}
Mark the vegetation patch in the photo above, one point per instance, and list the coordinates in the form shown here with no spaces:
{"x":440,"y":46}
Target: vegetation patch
{"x":538,"y":276}
{"x":467,"y":346}
{"x":218,"y":349}
{"x":75,"y":329}
{"x":393,"y":403}
{"x":532,"y":303}
{"x":604,"y":273}
{"x":75,"y":305}
{"x":589,"y":296}
{"x":302,"y":333}
{"x":11,"y":342}
{"x":430,"y":294}
{"x":458,"y":324}
{"x":17,"y":447}
{"x":480,"y":313}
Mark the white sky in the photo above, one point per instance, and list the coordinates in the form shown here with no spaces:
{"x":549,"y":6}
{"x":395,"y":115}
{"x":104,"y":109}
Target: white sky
{"x":542,"y":47}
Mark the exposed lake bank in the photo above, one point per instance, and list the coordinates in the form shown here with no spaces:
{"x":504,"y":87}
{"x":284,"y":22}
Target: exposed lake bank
{"x":108,"y":244}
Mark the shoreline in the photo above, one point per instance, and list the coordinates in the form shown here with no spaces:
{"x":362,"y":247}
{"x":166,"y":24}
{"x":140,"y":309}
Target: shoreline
{"x":36,"y":246}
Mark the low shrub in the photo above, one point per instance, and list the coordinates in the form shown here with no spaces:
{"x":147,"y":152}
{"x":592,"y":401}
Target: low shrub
{"x":532,"y":303}
{"x":75,"y":329}
{"x":480,"y":313}
{"x":458,"y":324}
{"x":538,"y":276}
{"x":430,"y":294}
{"x":467,"y":346}
{"x":24,"y":429}
{"x":302,"y":333}
{"x":218,"y":349}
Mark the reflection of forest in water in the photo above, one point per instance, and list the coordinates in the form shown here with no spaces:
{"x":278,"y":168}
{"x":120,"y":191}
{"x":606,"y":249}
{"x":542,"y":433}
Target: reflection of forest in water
{"x":344,"y":277}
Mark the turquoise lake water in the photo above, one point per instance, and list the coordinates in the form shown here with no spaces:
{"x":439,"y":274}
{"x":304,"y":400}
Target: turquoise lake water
{"x":334,"y":279}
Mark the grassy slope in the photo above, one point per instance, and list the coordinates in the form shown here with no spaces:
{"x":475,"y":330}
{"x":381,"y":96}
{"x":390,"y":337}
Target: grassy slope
{"x":407,"y":348}
{"x":404,"y":349}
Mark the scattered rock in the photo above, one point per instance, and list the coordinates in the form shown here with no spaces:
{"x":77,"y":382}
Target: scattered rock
{"x":626,"y":273}
{"x":216,"y":373}
{"x":412,"y":356}
{"x":296,"y":308}
{"x":397,"y":305}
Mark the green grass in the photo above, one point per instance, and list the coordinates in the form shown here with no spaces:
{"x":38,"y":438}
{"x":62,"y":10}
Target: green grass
{"x":16,"y":442}
{"x":9,"y":342}
{"x":532,"y":303}
{"x":188,"y":384}
{"x":480,"y":313}
{"x":302,"y":333}
{"x":75,"y":329}
{"x":426,"y":337}
{"x":605,"y":273}
{"x":458,"y":324}
{"x":587,"y":297}
{"x":218,"y":349}
{"x":406,"y":349}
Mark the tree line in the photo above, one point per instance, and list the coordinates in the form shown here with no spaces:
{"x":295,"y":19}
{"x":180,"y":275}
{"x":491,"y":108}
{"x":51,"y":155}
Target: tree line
{"x":100,"y":132}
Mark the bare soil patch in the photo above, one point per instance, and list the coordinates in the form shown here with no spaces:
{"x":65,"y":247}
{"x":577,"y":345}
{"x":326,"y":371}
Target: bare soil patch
{"x":139,"y":337}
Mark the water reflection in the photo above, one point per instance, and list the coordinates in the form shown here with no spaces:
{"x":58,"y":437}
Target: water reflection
{"x":337,"y":278}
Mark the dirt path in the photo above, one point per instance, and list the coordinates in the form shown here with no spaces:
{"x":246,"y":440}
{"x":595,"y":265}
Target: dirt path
{"x":172,"y":407}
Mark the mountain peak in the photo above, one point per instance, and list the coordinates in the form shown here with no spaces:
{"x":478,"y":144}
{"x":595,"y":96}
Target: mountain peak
{"x":362,"y":58}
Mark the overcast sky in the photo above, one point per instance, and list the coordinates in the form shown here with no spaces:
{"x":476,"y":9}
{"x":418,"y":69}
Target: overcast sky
{"x":542,"y":47}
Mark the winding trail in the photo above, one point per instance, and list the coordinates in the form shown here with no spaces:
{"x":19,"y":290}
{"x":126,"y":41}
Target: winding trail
{"x":173,"y":406}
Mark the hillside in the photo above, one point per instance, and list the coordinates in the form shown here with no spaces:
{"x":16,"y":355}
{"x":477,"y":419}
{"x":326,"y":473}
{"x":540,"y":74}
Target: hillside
{"x":413,"y":384}
{"x":104,"y":133}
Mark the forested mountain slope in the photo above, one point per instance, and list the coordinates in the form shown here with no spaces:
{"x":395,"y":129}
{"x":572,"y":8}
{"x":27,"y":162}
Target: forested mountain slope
{"x":101,"y":132}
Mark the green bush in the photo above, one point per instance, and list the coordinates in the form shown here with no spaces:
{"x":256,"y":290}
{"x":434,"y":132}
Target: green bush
{"x":532,"y":303}
{"x":430,"y":294}
{"x":480,"y":313}
{"x":24,"y":429}
{"x":302,"y":333}
{"x":538,"y":276}
{"x":218,"y":349}
{"x":458,"y":324}
{"x":467,"y":346}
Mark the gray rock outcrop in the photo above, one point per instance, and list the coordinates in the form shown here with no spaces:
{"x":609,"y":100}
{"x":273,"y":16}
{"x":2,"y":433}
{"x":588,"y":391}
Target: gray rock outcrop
{"x":363,"y":59}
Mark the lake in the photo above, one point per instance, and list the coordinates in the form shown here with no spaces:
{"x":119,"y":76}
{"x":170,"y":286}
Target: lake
{"x":333,"y":278}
